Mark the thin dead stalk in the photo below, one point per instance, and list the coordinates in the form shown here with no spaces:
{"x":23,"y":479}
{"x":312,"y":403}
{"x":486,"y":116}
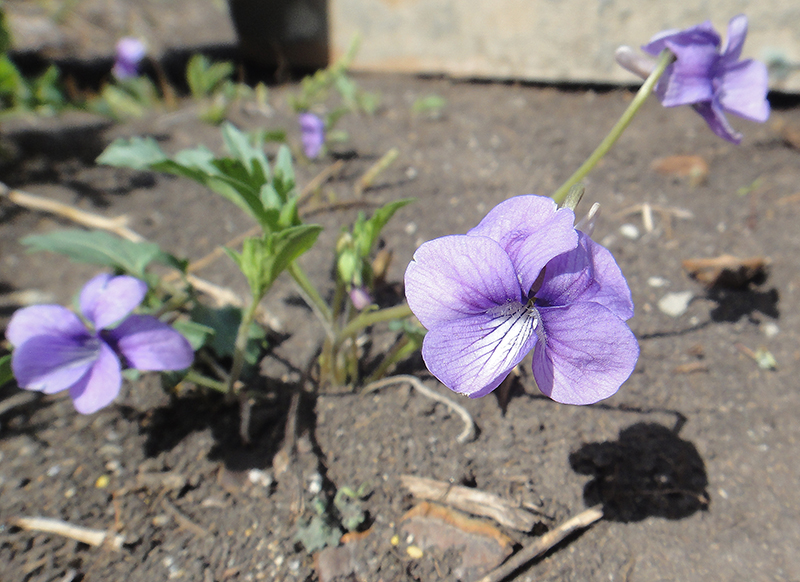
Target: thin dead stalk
{"x":117,"y":225}
{"x":544,"y":543}
{"x":92,"y":537}
{"x":468,"y":434}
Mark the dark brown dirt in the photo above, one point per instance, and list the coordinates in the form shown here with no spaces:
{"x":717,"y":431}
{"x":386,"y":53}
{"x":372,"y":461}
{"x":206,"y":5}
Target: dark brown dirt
{"x":697,"y":470}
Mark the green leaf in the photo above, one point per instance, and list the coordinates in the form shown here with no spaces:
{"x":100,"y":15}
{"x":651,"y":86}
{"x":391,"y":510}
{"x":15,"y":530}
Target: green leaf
{"x":224,"y":325}
{"x":6,"y":374}
{"x":203,"y":77}
{"x":196,"y":333}
{"x":287,"y":245}
{"x":366,"y":232}
{"x":99,"y":248}
{"x":252,"y":157}
{"x":283,"y":179}
{"x":137,"y":153}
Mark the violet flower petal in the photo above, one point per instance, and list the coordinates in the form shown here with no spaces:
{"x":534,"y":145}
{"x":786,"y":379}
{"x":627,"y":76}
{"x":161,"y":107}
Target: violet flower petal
{"x":587,"y":273}
{"x":700,"y":34}
{"x":149,"y":344}
{"x":473,"y":355}
{"x":532,"y":230}
{"x":737,"y":31}
{"x":312,"y":134}
{"x":100,"y":385}
{"x":51,"y":363}
{"x":105,"y":299}
{"x":715,"y":118}
{"x":688,"y":79}
{"x":129,"y":53}
{"x":459,"y":276}
{"x":48,"y":320}
{"x":743,"y":90}
{"x":588,"y":354}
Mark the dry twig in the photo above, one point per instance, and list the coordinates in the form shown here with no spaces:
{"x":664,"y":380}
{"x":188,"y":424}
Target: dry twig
{"x":470,"y":500}
{"x":466,"y":435}
{"x":544,"y":543}
{"x":117,"y":225}
{"x":92,"y":537}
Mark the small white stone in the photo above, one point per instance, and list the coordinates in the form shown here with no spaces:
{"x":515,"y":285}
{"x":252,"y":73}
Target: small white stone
{"x":629,"y":231}
{"x":411,"y":173}
{"x":657,"y":282}
{"x":675,"y":304}
{"x":314,"y":483}
{"x":410,"y":228}
{"x":770,"y":329}
{"x":259,"y":477}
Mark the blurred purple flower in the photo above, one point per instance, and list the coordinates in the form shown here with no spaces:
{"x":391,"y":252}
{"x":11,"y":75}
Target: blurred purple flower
{"x":54,"y":350}
{"x":312,"y":134}
{"x":130,"y":52}
{"x":712,"y":80}
{"x":524,"y":279}
{"x":360,"y":297}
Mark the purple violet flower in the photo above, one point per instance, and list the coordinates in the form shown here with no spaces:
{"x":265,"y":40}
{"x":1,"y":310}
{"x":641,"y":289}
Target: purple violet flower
{"x":712,"y":80}
{"x":312,"y":134}
{"x":360,"y":298}
{"x":54,"y":349}
{"x":524,"y":279}
{"x":130,"y":52}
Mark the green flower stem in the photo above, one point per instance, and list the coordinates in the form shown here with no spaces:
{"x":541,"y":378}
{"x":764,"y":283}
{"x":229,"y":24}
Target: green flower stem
{"x":240,"y":347}
{"x":664,"y":59}
{"x":313,"y":298}
{"x":205,"y":381}
{"x":371,"y":318}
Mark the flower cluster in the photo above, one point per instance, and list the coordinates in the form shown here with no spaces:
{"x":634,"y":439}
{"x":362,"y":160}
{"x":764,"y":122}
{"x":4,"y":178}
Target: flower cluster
{"x":55,"y":350}
{"x":710,"y":77}
{"x":524,"y":279}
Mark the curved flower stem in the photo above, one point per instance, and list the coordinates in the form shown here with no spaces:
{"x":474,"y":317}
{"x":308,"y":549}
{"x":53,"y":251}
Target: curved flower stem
{"x":664,"y":59}
{"x":313,"y":298}
{"x":371,"y":318}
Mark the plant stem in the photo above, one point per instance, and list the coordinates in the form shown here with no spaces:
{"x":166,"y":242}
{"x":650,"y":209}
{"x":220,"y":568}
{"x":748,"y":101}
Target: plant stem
{"x":664,"y":59}
{"x":240,"y":347}
{"x":313,"y":298}
{"x":205,"y":381}
{"x":371,"y":318}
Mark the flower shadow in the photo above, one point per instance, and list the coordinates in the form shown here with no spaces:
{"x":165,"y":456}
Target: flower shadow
{"x":649,"y":471}
{"x":168,"y":425}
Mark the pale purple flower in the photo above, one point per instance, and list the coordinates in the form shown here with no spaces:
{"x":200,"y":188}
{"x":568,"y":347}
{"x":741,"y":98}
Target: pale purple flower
{"x":129,"y":53}
{"x":524,"y":279}
{"x":312,"y":134}
{"x":360,"y":298}
{"x":54,"y":350}
{"x":711,"y":78}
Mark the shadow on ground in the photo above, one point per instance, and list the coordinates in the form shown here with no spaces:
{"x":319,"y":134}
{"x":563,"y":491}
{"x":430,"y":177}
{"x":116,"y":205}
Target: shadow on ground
{"x":648,"y":471}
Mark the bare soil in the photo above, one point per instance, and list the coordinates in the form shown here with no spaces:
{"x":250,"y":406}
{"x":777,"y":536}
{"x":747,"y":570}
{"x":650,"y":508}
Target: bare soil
{"x":694,"y":460}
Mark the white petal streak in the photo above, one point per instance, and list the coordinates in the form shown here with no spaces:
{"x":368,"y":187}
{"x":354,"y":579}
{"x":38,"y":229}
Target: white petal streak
{"x":473,"y":355}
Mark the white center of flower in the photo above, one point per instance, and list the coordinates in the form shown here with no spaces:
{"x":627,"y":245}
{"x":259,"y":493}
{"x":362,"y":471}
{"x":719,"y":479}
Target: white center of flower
{"x":522,"y":319}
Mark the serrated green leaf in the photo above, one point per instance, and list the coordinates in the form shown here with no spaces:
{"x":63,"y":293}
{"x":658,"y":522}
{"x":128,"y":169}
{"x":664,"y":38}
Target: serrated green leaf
{"x":98,"y":248}
{"x":251,"y":157}
{"x":286,"y":246}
